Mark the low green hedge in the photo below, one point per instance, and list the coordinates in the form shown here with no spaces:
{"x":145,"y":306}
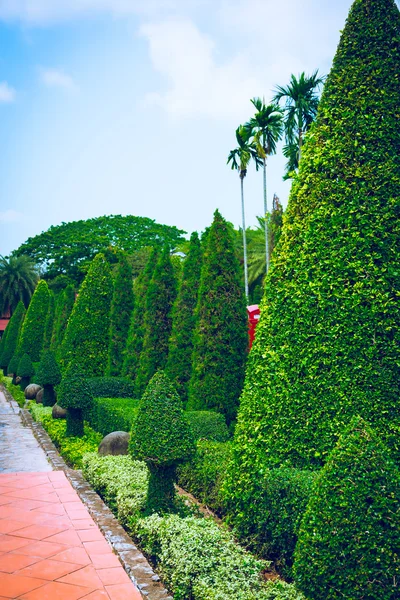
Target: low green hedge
{"x":14,"y":390}
{"x":270,"y":522}
{"x":203,"y":475}
{"x":111,"y":387}
{"x":71,"y":448}
{"x":207,"y":425}
{"x":196,"y":558}
{"x":112,"y":414}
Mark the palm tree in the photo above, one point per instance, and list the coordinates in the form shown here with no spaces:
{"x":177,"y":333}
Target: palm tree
{"x":301,"y":104}
{"x":239,"y":159}
{"x":18,"y":279}
{"x":266,"y":128}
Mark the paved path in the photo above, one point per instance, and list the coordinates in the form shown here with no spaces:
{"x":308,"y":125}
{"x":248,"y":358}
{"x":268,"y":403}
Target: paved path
{"x":50,"y":548}
{"x":19,"y":449}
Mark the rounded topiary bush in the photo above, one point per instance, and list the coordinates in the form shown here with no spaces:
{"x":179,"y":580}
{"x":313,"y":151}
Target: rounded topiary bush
{"x":349,"y":540}
{"x":48,"y":375}
{"x":161,"y":437}
{"x":74,"y":394}
{"x":25,"y":370}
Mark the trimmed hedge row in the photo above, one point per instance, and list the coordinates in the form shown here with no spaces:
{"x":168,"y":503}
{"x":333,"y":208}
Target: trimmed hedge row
{"x":112,"y":414}
{"x":207,"y":425}
{"x":111,"y":387}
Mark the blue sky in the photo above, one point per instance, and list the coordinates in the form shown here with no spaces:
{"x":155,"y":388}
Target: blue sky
{"x":131,"y":106}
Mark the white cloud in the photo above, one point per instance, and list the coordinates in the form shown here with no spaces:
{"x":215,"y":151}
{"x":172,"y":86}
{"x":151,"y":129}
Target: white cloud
{"x":10,"y":216}
{"x":57,"y":78}
{"x":197,"y":85}
{"x":7,"y":93}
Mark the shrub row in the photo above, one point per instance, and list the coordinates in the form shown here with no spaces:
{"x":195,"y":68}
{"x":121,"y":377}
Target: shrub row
{"x":112,"y":414}
{"x":111,"y":387}
{"x":207,"y":425}
{"x":196,"y":558}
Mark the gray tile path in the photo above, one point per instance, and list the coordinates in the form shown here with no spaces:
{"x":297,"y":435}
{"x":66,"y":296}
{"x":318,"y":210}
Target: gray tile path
{"x":19,"y":450}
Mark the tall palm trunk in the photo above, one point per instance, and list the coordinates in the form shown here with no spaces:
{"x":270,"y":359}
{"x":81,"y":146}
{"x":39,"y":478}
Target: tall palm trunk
{"x":265,"y":217}
{"x":246,"y":276}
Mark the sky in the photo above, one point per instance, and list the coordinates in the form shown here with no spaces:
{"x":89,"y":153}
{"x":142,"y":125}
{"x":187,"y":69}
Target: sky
{"x":130,"y":106}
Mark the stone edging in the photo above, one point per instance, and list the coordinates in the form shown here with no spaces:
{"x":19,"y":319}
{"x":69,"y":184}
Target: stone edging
{"x":133,"y":561}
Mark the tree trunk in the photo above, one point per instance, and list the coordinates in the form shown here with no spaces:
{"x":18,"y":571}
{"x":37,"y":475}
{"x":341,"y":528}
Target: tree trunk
{"x":74,"y":423}
{"x":49,"y":397}
{"x":246,"y":276}
{"x":161,"y":490}
{"x":265,"y":216}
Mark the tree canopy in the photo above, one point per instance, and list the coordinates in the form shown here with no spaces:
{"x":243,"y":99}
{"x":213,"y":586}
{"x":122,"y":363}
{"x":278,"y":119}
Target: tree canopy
{"x":70,"y":247}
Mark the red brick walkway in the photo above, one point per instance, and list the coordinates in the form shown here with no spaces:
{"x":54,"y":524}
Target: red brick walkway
{"x":50,"y":548}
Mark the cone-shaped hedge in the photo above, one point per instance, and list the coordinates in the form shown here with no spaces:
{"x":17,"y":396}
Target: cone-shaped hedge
{"x":179,"y":363}
{"x":48,"y":328}
{"x":25,"y":370}
{"x":32,"y":332}
{"x":134,"y":342}
{"x":87,"y":337}
{"x":11,"y":335}
{"x":221,"y":335}
{"x":160,"y":297}
{"x":327,"y":344}
{"x":13,"y":365}
{"x":64,"y":305}
{"x":121,"y":311}
{"x":161,"y":437}
{"x":349,"y":541}
{"x":48,"y":375}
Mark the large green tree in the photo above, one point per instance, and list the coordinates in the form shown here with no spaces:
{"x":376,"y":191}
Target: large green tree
{"x":49,"y":325}
{"x":160,"y":298}
{"x":32,"y":332}
{"x":121,"y":311}
{"x":64,"y":305}
{"x":18,"y":279}
{"x":69,"y":248}
{"x":11,"y":336}
{"x":134,"y":342}
{"x":179,"y":363}
{"x":221,"y":336}
{"x":327,"y":344}
{"x":86,"y":340}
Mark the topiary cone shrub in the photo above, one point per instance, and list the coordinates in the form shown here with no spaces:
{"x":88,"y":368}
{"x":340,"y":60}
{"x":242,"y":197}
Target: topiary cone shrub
{"x":11,"y":336}
{"x":48,"y":375}
{"x":25,"y":370}
{"x":32,"y":332}
{"x":13,"y":366}
{"x":349,"y":540}
{"x":74,"y":394}
{"x":161,"y":437}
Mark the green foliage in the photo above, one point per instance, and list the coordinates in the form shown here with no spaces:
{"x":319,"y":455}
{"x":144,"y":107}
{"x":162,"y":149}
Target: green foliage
{"x":112,"y":414}
{"x":87,"y":337}
{"x":121,"y":311}
{"x":72,"y":449}
{"x":161,"y":437}
{"x":13,"y":364}
{"x":160,"y":297}
{"x":32,"y":332}
{"x":327,"y":343}
{"x":349,"y":540}
{"x":49,"y":324}
{"x":179,"y":363}
{"x":74,"y":392}
{"x":69,"y":248}
{"x":111,"y":387}
{"x":18,"y":279}
{"x":48,"y":372}
{"x":11,"y":335}
{"x":207,"y":425}
{"x":221,"y":337}
{"x":203,"y":475}
{"x":64,"y":305}
{"x":25,"y":367}
{"x":134,"y":343}
{"x":14,"y":390}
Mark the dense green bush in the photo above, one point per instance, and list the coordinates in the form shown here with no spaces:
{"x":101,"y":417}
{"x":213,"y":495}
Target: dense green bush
{"x":204,"y":474}
{"x":121,"y":311}
{"x":327,"y":344}
{"x":160,"y":297}
{"x":25,"y":370}
{"x":207,"y":425}
{"x":64,"y":304}
{"x":221,"y":336}
{"x":32,"y":332}
{"x":14,"y":390}
{"x":112,"y":414}
{"x":161,"y":437}
{"x":48,"y":375}
{"x":87,"y":337}
{"x":13,"y":364}
{"x":11,"y":336}
{"x":349,"y":539}
{"x":49,"y":323}
{"x":179,"y":363}
{"x":111,"y":387}
{"x":134,"y":342}
{"x":74,"y":394}
{"x":72,"y":449}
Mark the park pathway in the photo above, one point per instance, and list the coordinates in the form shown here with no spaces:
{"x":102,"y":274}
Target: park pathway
{"x":50,"y":548}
